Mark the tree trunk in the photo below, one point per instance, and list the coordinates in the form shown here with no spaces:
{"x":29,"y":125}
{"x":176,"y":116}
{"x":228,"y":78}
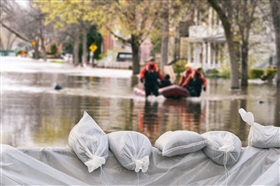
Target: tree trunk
{"x":135,"y":55}
{"x":76,"y":49}
{"x":36,"y":50}
{"x":234,"y":74}
{"x":1,"y":45}
{"x":245,"y":21}
{"x":85,"y":49}
{"x":10,"y":41}
{"x":244,"y":62}
{"x":275,"y":7}
{"x":44,"y":54}
{"x":165,"y":35}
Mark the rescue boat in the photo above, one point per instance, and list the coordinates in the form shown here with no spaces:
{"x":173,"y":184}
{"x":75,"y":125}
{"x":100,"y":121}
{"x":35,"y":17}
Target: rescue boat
{"x":170,"y":92}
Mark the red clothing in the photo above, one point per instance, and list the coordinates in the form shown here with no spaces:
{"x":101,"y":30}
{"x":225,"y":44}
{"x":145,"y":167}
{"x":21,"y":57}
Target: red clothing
{"x":147,"y":67}
{"x":195,"y":75}
{"x":185,"y":75}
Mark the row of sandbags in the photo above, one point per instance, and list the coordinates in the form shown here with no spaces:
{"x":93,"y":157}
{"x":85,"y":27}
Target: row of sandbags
{"x":132,"y":149}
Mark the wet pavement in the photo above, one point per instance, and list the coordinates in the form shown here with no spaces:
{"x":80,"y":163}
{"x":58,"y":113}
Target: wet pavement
{"x":34,"y":114}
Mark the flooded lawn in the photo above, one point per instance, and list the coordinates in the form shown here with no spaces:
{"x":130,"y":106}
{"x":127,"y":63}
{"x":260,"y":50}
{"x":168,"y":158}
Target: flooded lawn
{"x":33,"y":114}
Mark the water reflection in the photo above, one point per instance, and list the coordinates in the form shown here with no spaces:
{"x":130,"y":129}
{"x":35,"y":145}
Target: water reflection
{"x":187,"y":114}
{"x":33,"y":114}
{"x":149,"y":120}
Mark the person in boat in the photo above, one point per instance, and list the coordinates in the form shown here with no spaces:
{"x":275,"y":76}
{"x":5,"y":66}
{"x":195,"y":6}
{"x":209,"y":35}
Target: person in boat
{"x":185,"y":74}
{"x":150,"y":77}
{"x":195,"y":82}
{"x":166,"y":81}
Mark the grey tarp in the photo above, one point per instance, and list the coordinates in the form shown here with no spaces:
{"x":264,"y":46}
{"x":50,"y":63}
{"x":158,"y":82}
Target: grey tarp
{"x":60,"y":166}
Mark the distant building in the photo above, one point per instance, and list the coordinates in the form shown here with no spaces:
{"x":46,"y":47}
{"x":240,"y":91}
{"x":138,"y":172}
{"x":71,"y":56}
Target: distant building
{"x":204,"y":43}
{"x":113,"y":46}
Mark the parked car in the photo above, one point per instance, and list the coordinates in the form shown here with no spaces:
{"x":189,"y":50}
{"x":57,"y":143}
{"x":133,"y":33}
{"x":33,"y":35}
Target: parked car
{"x":124,"y":57}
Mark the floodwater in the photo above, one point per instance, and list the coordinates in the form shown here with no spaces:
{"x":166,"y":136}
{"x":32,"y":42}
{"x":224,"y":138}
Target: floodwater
{"x":34,"y":114}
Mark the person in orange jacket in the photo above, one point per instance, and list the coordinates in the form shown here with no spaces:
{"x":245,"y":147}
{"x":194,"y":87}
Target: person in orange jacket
{"x":195,"y":82}
{"x":185,"y":74}
{"x":150,"y":77}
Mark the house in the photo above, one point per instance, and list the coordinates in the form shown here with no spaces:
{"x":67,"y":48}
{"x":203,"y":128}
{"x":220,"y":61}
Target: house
{"x":205,"y":43}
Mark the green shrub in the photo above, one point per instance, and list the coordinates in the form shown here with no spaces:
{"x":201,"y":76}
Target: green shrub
{"x":19,"y":52}
{"x":255,"y":73}
{"x":179,"y":66}
{"x":213,"y":73}
{"x":269,"y":73}
{"x":57,"y":61}
{"x":53,"y":49}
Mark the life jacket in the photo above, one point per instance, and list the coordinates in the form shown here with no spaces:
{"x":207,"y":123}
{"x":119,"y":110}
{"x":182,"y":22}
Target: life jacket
{"x":149,"y":67}
{"x":148,"y":73}
{"x":185,"y":75}
{"x":194,"y":76}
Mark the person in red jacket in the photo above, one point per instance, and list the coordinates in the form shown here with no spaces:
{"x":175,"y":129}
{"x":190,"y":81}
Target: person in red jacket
{"x":195,"y":82}
{"x":185,"y":74}
{"x":150,"y":77}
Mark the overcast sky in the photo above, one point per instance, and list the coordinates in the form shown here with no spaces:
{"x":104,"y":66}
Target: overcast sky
{"x":22,"y":2}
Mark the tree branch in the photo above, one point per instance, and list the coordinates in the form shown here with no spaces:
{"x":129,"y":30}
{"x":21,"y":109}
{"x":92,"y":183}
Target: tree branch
{"x":14,"y":32}
{"x":117,"y":36}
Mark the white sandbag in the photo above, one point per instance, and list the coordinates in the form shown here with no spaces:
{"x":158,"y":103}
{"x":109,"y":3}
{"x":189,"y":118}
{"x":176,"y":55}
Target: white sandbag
{"x":89,"y":142}
{"x":179,"y":142}
{"x":261,"y":136}
{"x":223,"y":147}
{"x":132,"y":149}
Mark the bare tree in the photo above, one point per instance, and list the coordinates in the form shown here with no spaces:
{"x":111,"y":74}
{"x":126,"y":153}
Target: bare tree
{"x":138,"y":18}
{"x":244,"y":16}
{"x":9,"y":19}
{"x":25,"y":23}
{"x":41,"y":31}
{"x":225,"y":18}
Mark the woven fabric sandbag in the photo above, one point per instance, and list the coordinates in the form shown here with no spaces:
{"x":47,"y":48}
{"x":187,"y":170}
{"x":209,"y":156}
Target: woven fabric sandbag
{"x":223,"y":147}
{"x":178,"y":142}
{"x":89,"y":142}
{"x":260,"y":136}
{"x":132,"y":149}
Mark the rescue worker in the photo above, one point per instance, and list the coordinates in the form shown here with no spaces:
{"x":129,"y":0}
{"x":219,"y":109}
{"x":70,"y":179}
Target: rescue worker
{"x":195,"y":82}
{"x":185,"y":74}
{"x":150,"y":77}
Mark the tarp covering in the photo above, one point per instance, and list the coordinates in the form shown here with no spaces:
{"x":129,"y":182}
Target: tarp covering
{"x":61,"y":166}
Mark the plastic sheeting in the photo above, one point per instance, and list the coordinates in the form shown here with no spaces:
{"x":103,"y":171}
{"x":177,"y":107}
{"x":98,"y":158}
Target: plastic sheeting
{"x":61,"y":166}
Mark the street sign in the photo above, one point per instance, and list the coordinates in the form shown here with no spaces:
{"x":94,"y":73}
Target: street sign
{"x":33,"y":43}
{"x":93,"y":47}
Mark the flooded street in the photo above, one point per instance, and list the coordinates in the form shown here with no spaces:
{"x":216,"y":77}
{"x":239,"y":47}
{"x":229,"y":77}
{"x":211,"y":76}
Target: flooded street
{"x":34,"y":114}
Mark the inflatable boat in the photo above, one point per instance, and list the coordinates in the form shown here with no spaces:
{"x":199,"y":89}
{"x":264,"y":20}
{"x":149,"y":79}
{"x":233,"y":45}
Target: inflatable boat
{"x":170,"y":92}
